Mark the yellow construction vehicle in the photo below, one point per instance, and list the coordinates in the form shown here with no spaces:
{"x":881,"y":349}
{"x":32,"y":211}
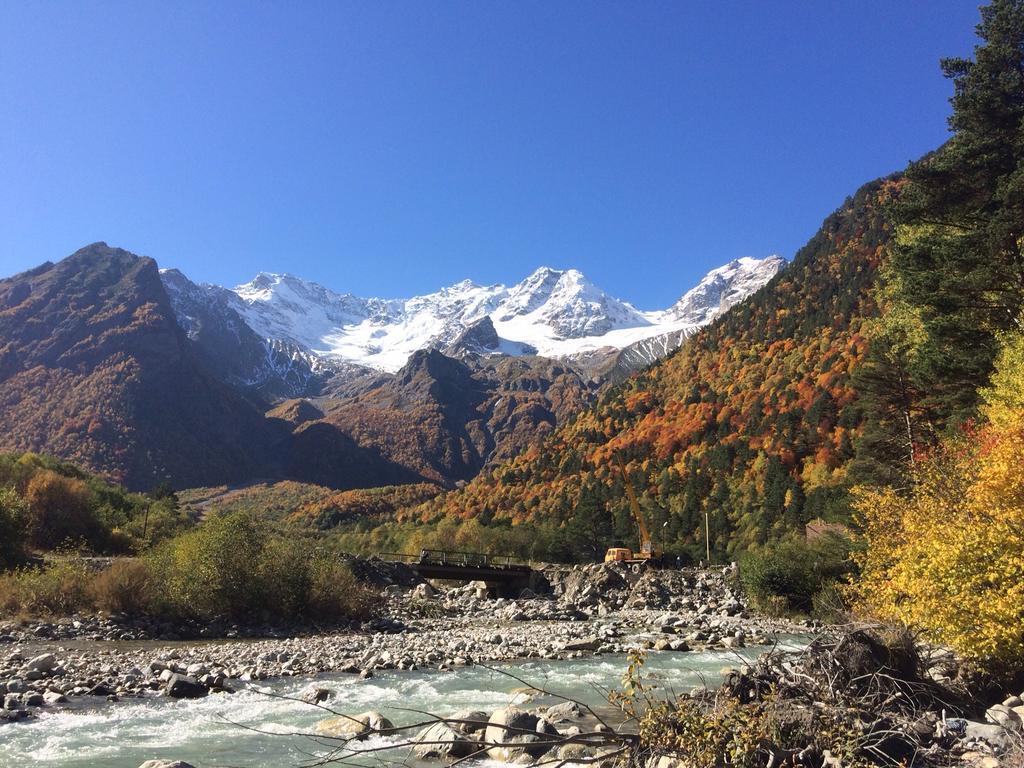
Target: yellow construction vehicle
{"x":649,"y":553}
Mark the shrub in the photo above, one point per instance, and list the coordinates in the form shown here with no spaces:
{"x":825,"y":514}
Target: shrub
{"x":787,"y":576}
{"x":60,"y":510}
{"x":125,"y":587}
{"x":335,"y":592}
{"x":235,"y":566}
{"x":13,"y":527}
{"x":59,"y":588}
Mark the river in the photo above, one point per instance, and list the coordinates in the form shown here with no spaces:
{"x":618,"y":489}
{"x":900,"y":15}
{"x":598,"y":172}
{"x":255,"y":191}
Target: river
{"x":214,"y":731}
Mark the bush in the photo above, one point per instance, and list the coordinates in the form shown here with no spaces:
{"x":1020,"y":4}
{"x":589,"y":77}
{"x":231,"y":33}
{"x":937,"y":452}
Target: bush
{"x":60,"y":510}
{"x":125,"y":587}
{"x":13,"y":527}
{"x":235,"y":566}
{"x":786,"y":577}
{"x":948,"y":557}
{"x":335,"y":592}
{"x":58,"y":589}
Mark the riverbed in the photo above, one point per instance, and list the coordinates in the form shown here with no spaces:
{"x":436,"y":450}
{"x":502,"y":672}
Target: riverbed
{"x":253,"y":728}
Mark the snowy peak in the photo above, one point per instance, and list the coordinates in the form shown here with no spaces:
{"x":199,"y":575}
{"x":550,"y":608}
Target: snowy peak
{"x":553,"y":313}
{"x":724,"y":287}
{"x":567,"y":303}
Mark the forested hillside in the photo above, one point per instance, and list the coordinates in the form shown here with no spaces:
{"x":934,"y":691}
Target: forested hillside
{"x":753,"y":423}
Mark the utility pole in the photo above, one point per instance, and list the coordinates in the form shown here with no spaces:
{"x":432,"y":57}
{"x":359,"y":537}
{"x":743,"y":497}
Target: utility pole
{"x":707,"y":534}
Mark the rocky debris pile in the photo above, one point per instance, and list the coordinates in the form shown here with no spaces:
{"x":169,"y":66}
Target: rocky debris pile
{"x":869,"y":691}
{"x":606,"y":587}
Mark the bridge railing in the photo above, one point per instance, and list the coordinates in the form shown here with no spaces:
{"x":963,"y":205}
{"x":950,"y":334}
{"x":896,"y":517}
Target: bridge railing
{"x":457,"y":559}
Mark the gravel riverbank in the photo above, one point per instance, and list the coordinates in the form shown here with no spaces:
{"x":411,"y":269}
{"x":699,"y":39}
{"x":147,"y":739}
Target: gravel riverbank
{"x":589,"y":610}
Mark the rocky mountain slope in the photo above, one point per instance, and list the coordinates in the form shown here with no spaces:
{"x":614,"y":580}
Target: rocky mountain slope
{"x":144,"y":376}
{"x":440,"y":419}
{"x":752,"y":423}
{"x":94,"y":368}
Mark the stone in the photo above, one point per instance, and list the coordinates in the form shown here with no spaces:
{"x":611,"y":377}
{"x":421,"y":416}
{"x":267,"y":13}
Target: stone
{"x":184,"y":687}
{"x":517,"y":735}
{"x":441,"y":742}
{"x":424,"y":591}
{"x":12,"y":701}
{"x":166,"y":764}
{"x":315,"y":694}
{"x":33,"y":699}
{"x":471,"y":721}
{"x":586,"y":644}
{"x":1002,"y":715}
{"x":43,"y":663}
{"x":54,"y":697}
{"x":355,"y":726}
{"x":564,"y":712}
{"x":994,"y":736}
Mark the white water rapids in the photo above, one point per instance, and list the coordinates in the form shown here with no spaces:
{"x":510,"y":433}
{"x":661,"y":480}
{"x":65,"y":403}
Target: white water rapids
{"x":214,"y":731}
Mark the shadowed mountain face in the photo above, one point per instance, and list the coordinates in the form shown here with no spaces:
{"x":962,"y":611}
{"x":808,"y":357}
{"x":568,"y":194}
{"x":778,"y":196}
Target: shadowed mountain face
{"x":94,"y":368}
{"x":441,"y":418}
{"x":145,"y":376}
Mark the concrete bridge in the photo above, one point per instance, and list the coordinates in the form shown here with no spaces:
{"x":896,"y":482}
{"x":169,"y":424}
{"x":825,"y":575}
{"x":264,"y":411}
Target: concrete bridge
{"x":502,"y":576}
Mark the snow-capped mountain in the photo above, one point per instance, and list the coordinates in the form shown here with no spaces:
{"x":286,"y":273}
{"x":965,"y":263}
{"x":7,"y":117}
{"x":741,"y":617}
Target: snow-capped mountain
{"x":723,"y":287}
{"x":552,"y":313}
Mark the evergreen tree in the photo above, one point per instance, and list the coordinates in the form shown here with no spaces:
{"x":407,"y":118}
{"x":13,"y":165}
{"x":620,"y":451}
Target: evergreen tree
{"x":961,"y":219}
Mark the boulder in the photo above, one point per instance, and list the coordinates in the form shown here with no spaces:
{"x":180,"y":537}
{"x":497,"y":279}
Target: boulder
{"x":355,"y":726}
{"x":166,"y":764}
{"x":315,"y":694}
{"x":993,"y":736}
{"x":1002,"y":715}
{"x":472,"y":721}
{"x":442,"y":742}
{"x":513,"y":735}
{"x":586,"y":644}
{"x":54,"y":697}
{"x":46,"y":662}
{"x":565,"y":712}
{"x":424,"y":591}
{"x":184,"y":687}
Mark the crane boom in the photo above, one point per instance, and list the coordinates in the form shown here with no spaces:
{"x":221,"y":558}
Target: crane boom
{"x":646,"y":543}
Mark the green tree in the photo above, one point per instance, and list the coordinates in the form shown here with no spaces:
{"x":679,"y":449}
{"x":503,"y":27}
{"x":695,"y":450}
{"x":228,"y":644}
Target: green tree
{"x":14,"y":523}
{"x":961,"y":219}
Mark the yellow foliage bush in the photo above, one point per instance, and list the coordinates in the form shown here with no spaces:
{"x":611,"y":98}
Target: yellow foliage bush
{"x":948,"y":558}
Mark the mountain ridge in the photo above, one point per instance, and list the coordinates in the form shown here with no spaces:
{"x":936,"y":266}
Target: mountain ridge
{"x":552,"y":313}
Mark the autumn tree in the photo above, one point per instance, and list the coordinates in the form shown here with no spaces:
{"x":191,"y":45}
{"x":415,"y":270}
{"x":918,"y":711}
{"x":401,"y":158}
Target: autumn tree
{"x":60,"y":510}
{"x":948,"y":558}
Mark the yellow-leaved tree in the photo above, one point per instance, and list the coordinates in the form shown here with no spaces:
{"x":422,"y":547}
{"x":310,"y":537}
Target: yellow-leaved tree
{"x":948,"y":558}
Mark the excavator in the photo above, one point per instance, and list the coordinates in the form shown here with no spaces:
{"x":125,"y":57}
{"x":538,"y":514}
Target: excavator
{"x":649,"y":553}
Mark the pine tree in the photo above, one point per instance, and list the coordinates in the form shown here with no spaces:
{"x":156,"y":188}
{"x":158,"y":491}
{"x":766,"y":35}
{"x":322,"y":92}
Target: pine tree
{"x":961,"y":219}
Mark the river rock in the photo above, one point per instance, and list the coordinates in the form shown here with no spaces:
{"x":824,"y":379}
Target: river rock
{"x":1002,"y":715}
{"x":514,"y":735}
{"x":586,"y":644}
{"x":441,"y":742}
{"x":315,"y":694}
{"x":355,"y":726}
{"x":184,"y":687}
{"x":166,"y":764}
{"x":471,"y":721}
{"x":565,"y":712}
{"x":43,"y":663}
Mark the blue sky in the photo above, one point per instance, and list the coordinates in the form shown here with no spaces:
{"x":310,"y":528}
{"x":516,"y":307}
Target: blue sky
{"x":390,"y":148}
